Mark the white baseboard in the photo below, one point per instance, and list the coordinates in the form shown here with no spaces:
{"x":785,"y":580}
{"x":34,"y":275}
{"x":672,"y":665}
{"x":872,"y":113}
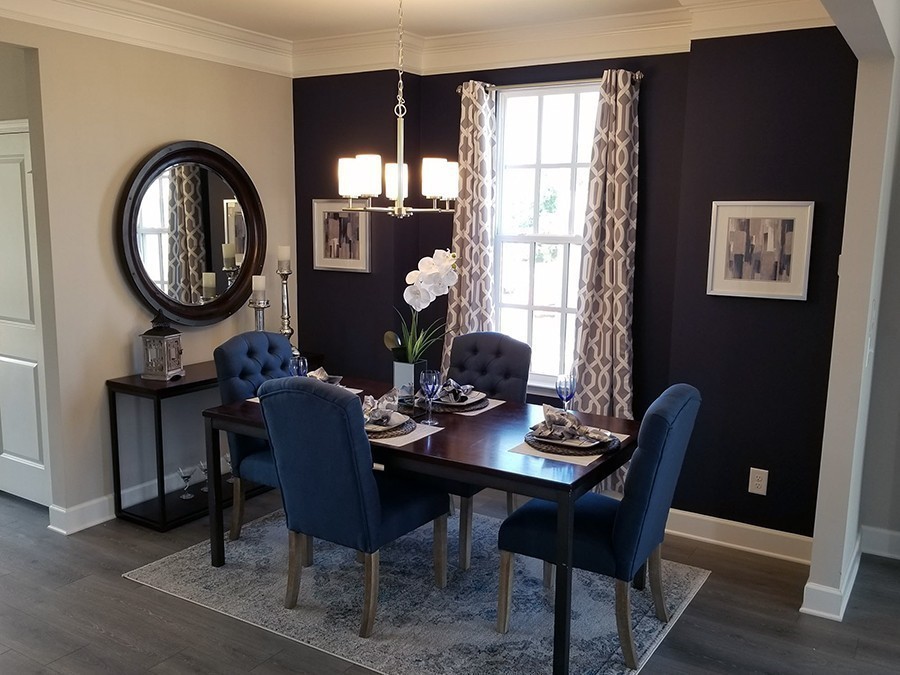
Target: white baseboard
{"x":878,"y":541}
{"x":741,"y":536}
{"x":829,"y":602}
{"x":81,"y":516}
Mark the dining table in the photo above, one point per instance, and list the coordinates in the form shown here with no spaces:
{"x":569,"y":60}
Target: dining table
{"x":473,"y":448}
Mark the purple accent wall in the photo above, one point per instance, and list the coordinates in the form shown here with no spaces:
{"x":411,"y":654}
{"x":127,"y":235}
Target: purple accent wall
{"x":753,"y":117}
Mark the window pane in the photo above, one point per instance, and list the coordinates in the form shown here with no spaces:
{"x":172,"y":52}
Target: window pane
{"x":574,"y":276}
{"x":514,"y":322}
{"x":517,"y":206}
{"x":556,"y":128}
{"x":515,"y":272}
{"x":587,"y":122}
{"x":581,"y":193}
{"x":545,"y":346}
{"x":150,"y":256}
{"x":556,"y":200}
{"x":569,"y":356}
{"x":520,"y":130}
{"x":548,"y":274}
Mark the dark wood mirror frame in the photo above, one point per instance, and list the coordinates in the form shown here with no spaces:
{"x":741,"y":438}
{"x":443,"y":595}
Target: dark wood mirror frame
{"x":234,"y":175}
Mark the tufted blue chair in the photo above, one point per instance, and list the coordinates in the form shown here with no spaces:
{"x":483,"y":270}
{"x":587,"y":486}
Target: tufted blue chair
{"x":614,"y":537}
{"x":324,"y":464}
{"x":243,"y":363}
{"x":498,"y":365}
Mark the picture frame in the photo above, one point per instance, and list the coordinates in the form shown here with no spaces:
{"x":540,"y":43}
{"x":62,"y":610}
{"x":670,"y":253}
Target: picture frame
{"x":760,"y":249}
{"x":340,"y":238}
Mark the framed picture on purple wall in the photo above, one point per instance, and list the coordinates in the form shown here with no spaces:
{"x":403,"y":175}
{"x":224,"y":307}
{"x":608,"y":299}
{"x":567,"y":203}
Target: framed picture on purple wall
{"x":340,"y":238}
{"x":760,"y":249}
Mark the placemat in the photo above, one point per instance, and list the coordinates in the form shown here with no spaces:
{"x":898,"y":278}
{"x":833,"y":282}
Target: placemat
{"x":555,"y":449}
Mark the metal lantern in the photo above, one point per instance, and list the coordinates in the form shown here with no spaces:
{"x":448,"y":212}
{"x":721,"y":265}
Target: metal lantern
{"x":162,"y":351}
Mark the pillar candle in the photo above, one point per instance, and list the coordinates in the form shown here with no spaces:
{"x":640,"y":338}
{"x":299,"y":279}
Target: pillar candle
{"x":238,"y":259}
{"x":259,"y":288}
{"x":284,"y":258}
{"x":228,"y":255}
{"x":209,"y":284}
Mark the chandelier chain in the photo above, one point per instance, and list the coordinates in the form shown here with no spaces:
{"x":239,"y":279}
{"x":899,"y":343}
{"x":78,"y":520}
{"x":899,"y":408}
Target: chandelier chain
{"x":400,"y":108}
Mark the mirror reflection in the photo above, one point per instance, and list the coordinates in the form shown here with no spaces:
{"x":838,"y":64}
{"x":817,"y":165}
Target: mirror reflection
{"x":190,"y":233}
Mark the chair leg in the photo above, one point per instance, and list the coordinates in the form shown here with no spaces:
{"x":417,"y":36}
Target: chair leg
{"x":504,"y":597}
{"x":549,"y":574}
{"x":370,"y":594}
{"x":440,"y":551}
{"x":453,"y":506}
{"x":295,"y":569}
{"x":237,"y":510}
{"x":306,"y":550}
{"x":623,"y":622}
{"x":640,"y":579}
{"x":510,"y":503}
{"x":465,"y":532}
{"x":656,"y":586}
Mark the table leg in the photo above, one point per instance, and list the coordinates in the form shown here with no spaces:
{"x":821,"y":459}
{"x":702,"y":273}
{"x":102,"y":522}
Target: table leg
{"x":216,"y":528}
{"x":565,"y":531}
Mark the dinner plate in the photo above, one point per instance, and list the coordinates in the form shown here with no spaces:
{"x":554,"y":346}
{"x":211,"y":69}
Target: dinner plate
{"x":396,"y":420}
{"x":580,"y":442}
{"x":473,"y":397}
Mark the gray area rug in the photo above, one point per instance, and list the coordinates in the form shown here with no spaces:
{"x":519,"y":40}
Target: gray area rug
{"x":419,"y":629}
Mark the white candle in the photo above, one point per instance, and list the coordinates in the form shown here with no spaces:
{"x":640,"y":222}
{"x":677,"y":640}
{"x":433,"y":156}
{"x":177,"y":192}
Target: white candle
{"x":284,"y":258}
{"x":209,"y":284}
{"x":259,"y":288}
{"x":228,"y":255}
{"x":238,"y":259}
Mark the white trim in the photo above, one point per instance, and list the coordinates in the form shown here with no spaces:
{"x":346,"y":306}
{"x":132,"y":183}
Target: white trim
{"x":82,"y":516}
{"x":638,"y":34}
{"x":878,"y":541}
{"x":828,"y":602}
{"x":740,"y":536}
{"x":13,"y":126}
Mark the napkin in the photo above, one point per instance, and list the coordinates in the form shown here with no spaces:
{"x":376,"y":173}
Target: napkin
{"x":453,"y":392}
{"x":319,"y":374}
{"x":561,"y":425}
{"x":378,"y":412}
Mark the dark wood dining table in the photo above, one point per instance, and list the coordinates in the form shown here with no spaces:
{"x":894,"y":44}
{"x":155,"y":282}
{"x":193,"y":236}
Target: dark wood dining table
{"x":474,"y":449}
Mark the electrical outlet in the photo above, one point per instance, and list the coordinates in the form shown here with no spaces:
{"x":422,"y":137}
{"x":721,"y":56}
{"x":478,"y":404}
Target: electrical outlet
{"x":759,"y":481}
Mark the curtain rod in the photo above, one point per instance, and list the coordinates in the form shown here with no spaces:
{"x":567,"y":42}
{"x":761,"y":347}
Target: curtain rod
{"x":558,"y":83}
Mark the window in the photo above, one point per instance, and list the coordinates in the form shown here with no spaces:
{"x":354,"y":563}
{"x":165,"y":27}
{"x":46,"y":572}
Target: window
{"x":153,"y":230}
{"x":545,"y":140}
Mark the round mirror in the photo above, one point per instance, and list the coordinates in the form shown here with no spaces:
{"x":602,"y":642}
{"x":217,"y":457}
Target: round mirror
{"x":191,"y":233}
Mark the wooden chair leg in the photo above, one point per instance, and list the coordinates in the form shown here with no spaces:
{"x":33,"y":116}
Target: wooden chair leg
{"x":295,"y":545}
{"x":623,"y":622}
{"x":306,"y":550}
{"x":465,"y":532}
{"x":549,"y":574}
{"x":237,"y":510}
{"x":370,"y":594}
{"x":504,"y":597}
{"x":656,"y":586}
{"x":640,"y":579}
{"x":510,"y":503}
{"x":440,"y":551}
{"x":453,"y":506}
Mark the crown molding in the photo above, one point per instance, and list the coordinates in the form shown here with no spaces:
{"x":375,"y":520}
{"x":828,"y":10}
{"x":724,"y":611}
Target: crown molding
{"x":670,"y":31}
{"x":145,"y":25}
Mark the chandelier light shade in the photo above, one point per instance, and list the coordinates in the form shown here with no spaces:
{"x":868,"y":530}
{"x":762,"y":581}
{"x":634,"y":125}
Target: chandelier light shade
{"x":360,"y":176}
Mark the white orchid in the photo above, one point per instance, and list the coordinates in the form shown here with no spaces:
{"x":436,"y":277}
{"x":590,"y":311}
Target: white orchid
{"x":433,"y":277}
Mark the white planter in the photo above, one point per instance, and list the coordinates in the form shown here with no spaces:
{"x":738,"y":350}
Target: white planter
{"x":406,"y":376}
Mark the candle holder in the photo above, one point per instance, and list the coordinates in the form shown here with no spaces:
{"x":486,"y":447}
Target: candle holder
{"x":260,"y":306}
{"x":286,"y":329}
{"x":231,"y":274}
{"x":204,"y":299}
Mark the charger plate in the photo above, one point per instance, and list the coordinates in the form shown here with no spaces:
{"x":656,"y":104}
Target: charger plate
{"x":596,"y":448}
{"x":402,"y":430}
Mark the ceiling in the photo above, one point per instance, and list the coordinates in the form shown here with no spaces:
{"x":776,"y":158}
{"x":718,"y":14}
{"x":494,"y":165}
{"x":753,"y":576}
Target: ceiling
{"x":297,"y":20}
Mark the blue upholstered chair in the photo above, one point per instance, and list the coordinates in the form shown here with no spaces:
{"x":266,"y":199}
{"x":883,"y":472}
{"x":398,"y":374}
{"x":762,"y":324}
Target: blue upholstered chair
{"x":614,"y":537}
{"x":243,"y":363}
{"x":324,"y":464}
{"x":498,"y":365}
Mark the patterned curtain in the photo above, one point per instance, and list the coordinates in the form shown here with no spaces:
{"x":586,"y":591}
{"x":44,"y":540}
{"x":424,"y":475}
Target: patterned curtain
{"x":470,"y":304}
{"x":187,"y":244}
{"x":603,"y":355}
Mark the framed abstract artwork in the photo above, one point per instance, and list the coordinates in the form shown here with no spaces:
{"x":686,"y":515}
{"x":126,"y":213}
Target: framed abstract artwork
{"x":340,"y":238}
{"x":760,"y":249}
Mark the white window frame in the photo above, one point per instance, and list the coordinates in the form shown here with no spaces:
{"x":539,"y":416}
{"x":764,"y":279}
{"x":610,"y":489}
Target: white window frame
{"x":157,"y":228}
{"x":543,"y":384}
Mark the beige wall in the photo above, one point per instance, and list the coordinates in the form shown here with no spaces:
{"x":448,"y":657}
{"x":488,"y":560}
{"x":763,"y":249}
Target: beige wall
{"x":104,"y":106}
{"x":13,"y":102}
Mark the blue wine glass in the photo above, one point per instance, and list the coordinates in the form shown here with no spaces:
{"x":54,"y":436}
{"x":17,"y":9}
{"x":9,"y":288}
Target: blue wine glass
{"x":565,"y":388}
{"x":298,"y":367}
{"x":430,"y":381}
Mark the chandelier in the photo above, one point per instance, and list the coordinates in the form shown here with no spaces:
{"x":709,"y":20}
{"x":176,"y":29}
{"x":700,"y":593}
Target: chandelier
{"x":360,"y":177}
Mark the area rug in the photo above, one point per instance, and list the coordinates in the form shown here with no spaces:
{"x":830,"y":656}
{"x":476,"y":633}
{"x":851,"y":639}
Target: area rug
{"x":419,"y":629}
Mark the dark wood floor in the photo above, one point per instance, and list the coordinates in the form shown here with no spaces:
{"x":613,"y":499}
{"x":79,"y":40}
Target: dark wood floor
{"x":64,"y":608}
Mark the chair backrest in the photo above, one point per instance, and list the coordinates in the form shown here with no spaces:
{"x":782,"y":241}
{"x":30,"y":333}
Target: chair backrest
{"x":652,"y":476}
{"x":493,"y":363}
{"x":243,"y":363}
{"x":323,"y":460}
